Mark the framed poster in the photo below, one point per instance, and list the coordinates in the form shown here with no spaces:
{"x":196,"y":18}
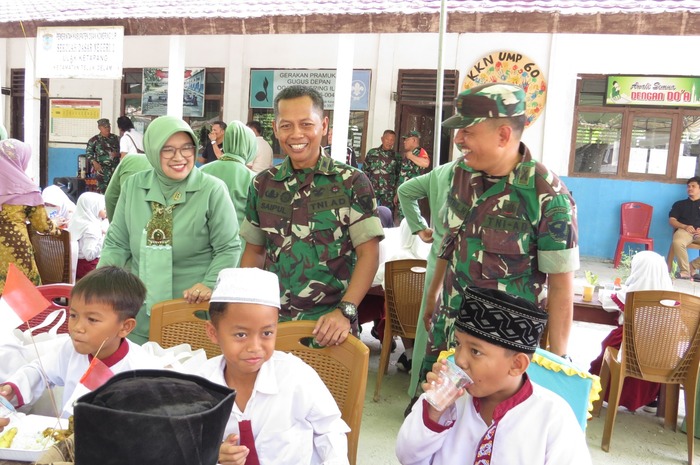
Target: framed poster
{"x":73,"y":119}
{"x":154,"y":100}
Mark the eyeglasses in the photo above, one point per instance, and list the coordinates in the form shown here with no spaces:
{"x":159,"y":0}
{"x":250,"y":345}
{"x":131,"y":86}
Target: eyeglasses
{"x":187,"y":151}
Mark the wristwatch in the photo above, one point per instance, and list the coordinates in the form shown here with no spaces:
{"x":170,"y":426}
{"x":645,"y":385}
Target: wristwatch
{"x":213,"y":142}
{"x":349,"y":310}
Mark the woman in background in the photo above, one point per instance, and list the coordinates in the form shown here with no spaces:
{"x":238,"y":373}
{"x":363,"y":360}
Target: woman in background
{"x":20,"y":203}
{"x":58,"y":205}
{"x":85,"y":229}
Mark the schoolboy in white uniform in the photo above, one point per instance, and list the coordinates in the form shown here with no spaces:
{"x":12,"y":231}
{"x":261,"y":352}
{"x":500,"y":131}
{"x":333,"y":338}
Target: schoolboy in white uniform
{"x":504,"y":419}
{"x":103,"y":308}
{"x":283,"y":414}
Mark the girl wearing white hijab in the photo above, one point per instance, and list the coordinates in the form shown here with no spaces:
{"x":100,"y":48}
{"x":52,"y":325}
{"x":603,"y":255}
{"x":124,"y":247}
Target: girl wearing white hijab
{"x":649,"y":272}
{"x":63,"y":206}
{"x":85,"y":228}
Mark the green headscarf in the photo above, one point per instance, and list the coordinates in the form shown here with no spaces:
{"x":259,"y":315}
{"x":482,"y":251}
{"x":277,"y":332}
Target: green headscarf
{"x":240,"y":143}
{"x":3,"y":132}
{"x":157,"y":133}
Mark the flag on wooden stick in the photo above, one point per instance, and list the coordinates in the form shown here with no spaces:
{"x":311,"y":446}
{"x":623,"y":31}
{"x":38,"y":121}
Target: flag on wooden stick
{"x":21,"y":300}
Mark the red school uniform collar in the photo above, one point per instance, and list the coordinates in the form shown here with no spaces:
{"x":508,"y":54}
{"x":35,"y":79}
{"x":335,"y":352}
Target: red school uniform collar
{"x":117,"y":356}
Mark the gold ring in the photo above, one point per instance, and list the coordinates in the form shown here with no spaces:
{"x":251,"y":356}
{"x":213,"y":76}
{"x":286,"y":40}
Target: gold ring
{"x":197,"y":290}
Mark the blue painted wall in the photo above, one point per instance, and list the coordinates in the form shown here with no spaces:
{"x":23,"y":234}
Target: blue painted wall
{"x":598,"y":202}
{"x":63,"y":162}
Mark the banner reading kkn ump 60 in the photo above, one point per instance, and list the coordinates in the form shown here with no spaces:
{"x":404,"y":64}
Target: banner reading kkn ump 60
{"x":668,"y":91}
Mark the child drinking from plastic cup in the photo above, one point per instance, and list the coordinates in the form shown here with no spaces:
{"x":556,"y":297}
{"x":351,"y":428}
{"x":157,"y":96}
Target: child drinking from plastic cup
{"x":496,"y":335}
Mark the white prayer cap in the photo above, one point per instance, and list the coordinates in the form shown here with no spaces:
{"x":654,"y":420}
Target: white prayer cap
{"x":247,"y":285}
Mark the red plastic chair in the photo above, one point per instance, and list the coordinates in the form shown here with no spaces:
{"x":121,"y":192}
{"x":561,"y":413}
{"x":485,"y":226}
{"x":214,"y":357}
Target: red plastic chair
{"x":635,"y":219}
{"x":51,"y":292}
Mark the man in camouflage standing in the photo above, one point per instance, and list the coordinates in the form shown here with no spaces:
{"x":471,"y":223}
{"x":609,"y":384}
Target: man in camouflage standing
{"x":415,"y":161}
{"x":312,"y":221}
{"x":103,"y":153}
{"x":381,"y":166}
{"x":510,"y":223}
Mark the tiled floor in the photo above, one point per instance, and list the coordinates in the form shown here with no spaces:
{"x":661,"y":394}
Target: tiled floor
{"x":639,"y":438}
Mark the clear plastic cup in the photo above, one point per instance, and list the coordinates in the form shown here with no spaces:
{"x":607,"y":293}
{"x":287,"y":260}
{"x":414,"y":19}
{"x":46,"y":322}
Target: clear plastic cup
{"x":6,"y":408}
{"x":452,"y":378}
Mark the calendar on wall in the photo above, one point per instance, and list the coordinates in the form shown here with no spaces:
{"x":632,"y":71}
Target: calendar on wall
{"x":73,"y":119}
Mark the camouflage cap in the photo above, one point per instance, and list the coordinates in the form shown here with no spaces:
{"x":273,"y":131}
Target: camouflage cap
{"x":411,"y":134}
{"x":495,"y":100}
{"x":103,"y":122}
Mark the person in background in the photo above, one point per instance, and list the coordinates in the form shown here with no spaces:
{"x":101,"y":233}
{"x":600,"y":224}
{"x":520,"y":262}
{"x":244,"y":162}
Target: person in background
{"x":174,"y":226}
{"x":649,"y":272}
{"x":130,"y":164}
{"x":103,"y":153}
{"x":485,"y":423}
{"x":240,"y":147}
{"x":313,"y":221}
{"x":381,"y":165}
{"x":350,"y":158}
{"x":283,"y":414}
{"x":263,"y":156}
{"x":684,"y":218}
{"x":20,"y":203}
{"x":414,"y":162}
{"x":85,"y":229}
{"x":58,"y":205}
{"x":131,"y":140}
{"x":213,"y":148}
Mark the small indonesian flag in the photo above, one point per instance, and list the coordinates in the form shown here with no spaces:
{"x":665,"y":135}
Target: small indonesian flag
{"x":20,"y":301}
{"x":96,"y":375}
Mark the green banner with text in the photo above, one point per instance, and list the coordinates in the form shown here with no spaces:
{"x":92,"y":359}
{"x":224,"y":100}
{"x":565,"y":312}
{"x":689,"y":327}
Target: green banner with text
{"x":667,"y":91}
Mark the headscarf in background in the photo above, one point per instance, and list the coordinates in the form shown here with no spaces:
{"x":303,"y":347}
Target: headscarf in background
{"x":55,"y":196}
{"x":240,"y":143}
{"x":87,"y":216}
{"x":16,"y":188}
{"x":649,"y":272}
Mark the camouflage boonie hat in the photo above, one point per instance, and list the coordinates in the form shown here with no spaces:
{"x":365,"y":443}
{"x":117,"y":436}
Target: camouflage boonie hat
{"x":495,"y":100}
{"x":103,"y":122}
{"x":411,"y":134}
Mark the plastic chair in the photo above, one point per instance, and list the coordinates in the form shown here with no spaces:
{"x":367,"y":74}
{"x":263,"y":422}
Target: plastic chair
{"x":403,"y":289}
{"x":52,"y":293}
{"x":635,"y":219}
{"x":175,"y":322}
{"x":659,"y":344}
{"x":53,"y":256}
{"x":343,"y":368}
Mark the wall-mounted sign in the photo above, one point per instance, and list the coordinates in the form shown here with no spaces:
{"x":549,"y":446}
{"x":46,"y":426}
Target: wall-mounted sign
{"x":80,"y":52}
{"x":73,"y":119}
{"x":512,"y":68}
{"x":154,"y":100}
{"x":664,"y":91}
{"x":265,"y":84}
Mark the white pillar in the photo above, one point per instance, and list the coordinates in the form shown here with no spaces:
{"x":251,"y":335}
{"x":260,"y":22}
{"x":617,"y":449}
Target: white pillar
{"x":3,"y":83}
{"x":32,"y":109}
{"x":176,"y":76}
{"x":341,"y":108}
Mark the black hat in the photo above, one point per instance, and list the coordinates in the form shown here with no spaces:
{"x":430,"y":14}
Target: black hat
{"x":152,"y":417}
{"x":501,"y":318}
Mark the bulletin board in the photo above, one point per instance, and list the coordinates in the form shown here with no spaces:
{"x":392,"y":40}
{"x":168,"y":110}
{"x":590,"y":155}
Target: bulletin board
{"x":73,"y":119}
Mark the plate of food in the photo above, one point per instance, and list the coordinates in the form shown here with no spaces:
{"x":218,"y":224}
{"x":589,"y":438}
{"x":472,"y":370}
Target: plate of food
{"x":27,"y":436}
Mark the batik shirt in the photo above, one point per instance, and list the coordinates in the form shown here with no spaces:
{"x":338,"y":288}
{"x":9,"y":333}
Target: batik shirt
{"x":504,"y":233}
{"x":309,"y":222}
{"x":382,"y":168}
{"x":410,"y":170}
{"x":100,"y":149}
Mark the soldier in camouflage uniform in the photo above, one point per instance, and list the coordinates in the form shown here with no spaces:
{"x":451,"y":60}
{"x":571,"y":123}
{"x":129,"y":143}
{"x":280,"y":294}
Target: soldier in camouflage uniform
{"x":510,"y":222}
{"x":312,"y":221}
{"x":381,"y":166}
{"x":414,"y":163}
{"x":103,"y":152}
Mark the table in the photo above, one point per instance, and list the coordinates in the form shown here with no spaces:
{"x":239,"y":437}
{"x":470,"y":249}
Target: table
{"x":592,"y":312}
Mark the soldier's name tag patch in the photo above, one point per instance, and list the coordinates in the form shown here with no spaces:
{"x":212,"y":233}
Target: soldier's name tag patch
{"x":275,"y":208}
{"x":331,"y":202}
{"x":500,"y":223}
{"x":460,"y":208}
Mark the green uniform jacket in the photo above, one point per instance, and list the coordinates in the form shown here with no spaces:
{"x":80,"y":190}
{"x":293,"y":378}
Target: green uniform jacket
{"x":130,"y":164}
{"x":237,"y":177}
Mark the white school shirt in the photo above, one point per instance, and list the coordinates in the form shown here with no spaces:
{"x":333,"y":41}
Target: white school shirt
{"x":293,"y":415}
{"x":132,"y":142}
{"x":65,"y":367}
{"x":541,"y":430}
{"x":263,"y":157}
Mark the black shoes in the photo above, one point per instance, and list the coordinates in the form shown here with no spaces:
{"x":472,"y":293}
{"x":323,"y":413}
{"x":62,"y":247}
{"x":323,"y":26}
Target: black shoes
{"x":404,"y":363}
{"x":410,"y":406}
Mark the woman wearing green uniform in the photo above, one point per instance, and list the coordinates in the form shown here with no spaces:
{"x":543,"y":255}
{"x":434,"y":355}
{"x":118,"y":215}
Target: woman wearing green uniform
{"x":174,"y":227}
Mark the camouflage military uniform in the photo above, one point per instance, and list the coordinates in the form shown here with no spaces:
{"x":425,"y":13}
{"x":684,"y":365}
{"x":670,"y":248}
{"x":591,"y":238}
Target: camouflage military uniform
{"x":410,"y":170}
{"x":99,"y":149}
{"x":310,"y":222}
{"x":382,"y":169}
{"x":502,"y":233}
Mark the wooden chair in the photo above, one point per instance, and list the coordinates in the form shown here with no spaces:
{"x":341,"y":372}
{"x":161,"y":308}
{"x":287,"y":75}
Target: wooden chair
{"x":403,"y":288}
{"x":59,"y":296}
{"x":343,"y":368}
{"x":659,"y":344}
{"x":176,"y":322}
{"x":53,"y":256}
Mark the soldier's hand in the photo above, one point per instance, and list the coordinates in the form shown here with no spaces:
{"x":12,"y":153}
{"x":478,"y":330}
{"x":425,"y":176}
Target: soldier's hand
{"x":332,"y":328}
{"x":96,"y":166}
{"x":429,"y":310}
{"x":426,"y":235}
